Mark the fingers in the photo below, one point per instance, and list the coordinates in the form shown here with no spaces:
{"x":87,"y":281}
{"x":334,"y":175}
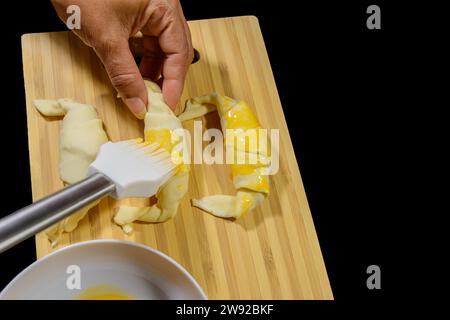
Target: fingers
{"x":187,"y":32}
{"x":152,"y":59}
{"x":167,"y":46}
{"x":173,"y":73}
{"x":176,"y":64}
{"x":168,"y":25}
{"x":124,"y":74}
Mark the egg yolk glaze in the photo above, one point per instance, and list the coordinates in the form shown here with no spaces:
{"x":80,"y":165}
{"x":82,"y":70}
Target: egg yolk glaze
{"x":240,"y":126}
{"x":104,"y":292}
{"x":160,"y":123}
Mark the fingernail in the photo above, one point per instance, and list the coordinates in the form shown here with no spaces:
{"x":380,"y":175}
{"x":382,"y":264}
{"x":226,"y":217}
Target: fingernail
{"x":137,"y":106}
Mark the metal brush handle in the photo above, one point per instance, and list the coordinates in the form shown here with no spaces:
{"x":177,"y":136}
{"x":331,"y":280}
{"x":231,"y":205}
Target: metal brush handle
{"x":40,"y":215}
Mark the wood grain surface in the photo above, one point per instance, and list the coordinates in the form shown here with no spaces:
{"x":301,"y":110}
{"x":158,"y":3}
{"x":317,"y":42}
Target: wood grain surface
{"x":271,"y":253}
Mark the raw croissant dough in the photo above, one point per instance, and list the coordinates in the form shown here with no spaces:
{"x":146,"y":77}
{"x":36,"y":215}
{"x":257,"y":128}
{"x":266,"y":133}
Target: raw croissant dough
{"x":80,"y":139}
{"x":161,"y":126}
{"x":250,"y":180}
{"x":81,"y":136}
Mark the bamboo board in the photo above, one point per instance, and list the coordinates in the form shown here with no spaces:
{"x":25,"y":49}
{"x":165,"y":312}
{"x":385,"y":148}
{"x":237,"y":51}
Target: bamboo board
{"x":272,"y":253}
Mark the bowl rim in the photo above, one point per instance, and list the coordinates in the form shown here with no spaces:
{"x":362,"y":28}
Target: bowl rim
{"x":110,"y":241}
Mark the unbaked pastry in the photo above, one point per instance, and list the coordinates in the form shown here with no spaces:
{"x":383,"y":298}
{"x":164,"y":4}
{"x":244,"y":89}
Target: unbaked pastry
{"x":163,"y":127}
{"x":250,"y":180}
{"x":81,"y":136}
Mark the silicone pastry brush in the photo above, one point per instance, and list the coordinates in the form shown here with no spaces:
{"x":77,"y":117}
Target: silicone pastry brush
{"x":123,"y":169}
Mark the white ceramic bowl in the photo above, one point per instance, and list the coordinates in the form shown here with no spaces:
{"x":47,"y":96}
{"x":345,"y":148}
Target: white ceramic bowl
{"x":137,"y":270}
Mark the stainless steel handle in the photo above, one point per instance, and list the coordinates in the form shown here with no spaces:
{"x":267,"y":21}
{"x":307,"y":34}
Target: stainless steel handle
{"x":38,"y":216}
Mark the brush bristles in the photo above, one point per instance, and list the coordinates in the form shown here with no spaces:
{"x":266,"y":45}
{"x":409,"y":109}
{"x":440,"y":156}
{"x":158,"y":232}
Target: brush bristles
{"x":156,"y":156}
{"x":137,"y":168}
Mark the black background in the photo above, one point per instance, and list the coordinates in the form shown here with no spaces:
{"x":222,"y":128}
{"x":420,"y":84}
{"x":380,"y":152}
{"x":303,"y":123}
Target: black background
{"x":342,"y":90}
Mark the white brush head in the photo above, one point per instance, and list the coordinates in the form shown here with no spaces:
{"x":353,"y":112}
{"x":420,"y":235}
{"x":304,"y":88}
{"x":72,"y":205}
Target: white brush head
{"x":137,"y":168}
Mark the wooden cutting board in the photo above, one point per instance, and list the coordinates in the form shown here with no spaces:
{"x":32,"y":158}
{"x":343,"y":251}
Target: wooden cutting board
{"x":272,"y":253}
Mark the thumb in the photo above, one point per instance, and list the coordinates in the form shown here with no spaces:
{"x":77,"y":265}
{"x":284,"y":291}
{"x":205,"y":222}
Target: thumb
{"x":124,"y":74}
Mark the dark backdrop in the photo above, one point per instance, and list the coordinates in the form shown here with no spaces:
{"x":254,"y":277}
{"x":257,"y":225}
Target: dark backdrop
{"x":340,"y":86}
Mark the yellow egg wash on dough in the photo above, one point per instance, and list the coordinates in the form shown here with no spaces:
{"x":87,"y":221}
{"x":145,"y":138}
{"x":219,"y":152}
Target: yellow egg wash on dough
{"x":82,"y":135}
{"x":160,"y":123}
{"x":240,"y":124}
{"x":240,"y":116}
{"x":162,"y":136}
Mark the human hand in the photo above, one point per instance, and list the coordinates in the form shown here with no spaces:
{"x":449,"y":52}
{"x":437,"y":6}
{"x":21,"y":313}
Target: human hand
{"x":106,"y":26}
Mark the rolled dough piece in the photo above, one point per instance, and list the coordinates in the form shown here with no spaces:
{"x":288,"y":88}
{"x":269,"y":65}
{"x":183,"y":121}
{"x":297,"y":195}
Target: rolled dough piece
{"x":160,"y":126}
{"x":81,"y":136}
{"x":249,"y":179}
